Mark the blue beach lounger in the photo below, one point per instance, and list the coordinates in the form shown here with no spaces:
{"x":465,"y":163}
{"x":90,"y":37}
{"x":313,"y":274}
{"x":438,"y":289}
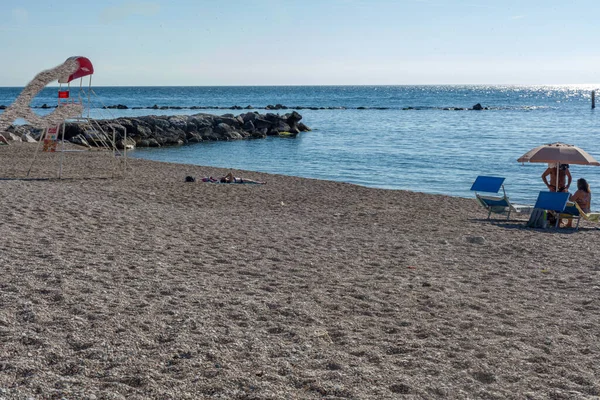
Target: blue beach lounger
{"x":553,"y":201}
{"x":496,"y":204}
{"x":573,"y":211}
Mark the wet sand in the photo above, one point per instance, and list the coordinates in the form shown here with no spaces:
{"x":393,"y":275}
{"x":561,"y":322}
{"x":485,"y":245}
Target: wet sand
{"x":150,"y":287}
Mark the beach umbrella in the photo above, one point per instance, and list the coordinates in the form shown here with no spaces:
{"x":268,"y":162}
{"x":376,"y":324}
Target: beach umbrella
{"x":559,"y":153}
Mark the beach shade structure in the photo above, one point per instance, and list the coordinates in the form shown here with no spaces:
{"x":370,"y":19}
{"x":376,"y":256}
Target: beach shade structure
{"x":558,"y":153}
{"x":85,"y":68}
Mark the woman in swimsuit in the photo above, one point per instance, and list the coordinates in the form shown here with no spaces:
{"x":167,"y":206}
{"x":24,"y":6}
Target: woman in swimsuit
{"x":583,"y":195}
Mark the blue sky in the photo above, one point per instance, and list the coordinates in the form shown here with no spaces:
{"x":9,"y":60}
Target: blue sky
{"x":289,"y":42}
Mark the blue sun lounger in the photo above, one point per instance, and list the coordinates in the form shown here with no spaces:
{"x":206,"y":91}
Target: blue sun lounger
{"x":496,"y":204}
{"x":553,"y":201}
{"x":573,"y":211}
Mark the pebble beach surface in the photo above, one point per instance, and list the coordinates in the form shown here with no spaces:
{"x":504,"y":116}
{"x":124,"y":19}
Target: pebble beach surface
{"x":146,"y":286}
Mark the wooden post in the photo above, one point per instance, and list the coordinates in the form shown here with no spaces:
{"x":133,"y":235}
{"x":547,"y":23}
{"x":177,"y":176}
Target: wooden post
{"x":593,"y":99}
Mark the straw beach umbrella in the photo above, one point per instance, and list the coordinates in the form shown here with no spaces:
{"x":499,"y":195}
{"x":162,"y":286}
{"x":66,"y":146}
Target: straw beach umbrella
{"x":559,"y":153}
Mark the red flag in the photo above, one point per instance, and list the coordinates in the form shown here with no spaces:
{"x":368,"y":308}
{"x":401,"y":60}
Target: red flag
{"x":63,"y":94}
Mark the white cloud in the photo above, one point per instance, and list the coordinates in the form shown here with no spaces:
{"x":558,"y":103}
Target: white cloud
{"x":128,"y":9}
{"x":20,"y":15}
{"x":517,"y":17}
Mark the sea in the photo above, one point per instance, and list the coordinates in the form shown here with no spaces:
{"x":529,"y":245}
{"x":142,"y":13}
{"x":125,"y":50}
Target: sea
{"x":417,"y":138}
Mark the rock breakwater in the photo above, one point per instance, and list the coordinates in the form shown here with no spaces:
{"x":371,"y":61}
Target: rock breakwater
{"x":165,"y":130}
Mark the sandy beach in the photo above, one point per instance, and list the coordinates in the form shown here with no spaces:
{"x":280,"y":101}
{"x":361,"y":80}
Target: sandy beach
{"x":150,"y":287}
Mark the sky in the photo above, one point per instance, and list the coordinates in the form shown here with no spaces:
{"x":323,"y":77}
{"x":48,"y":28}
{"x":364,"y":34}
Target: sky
{"x":305,"y":42}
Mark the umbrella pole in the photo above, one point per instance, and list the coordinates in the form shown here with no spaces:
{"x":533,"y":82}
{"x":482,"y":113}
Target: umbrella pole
{"x":557,"y":173}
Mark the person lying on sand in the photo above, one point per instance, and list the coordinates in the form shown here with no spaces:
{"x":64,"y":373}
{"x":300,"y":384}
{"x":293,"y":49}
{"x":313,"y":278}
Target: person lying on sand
{"x":229,"y":178}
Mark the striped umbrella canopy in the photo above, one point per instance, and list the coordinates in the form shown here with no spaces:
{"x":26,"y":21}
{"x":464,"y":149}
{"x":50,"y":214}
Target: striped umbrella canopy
{"x":558,"y":153}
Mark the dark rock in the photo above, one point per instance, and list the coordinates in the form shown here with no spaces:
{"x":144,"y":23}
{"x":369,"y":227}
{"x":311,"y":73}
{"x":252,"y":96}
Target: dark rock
{"x":258,"y":135}
{"x":250,"y":116}
{"x":292,"y":118}
{"x":303,"y":128}
{"x":276,"y":107}
{"x":223,"y":128}
{"x":248,"y":107}
{"x":72,"y":130}
{"x":153,"y":143}
{"x":80,"y":140}
{"x":249,"y":126}
{"x":193,"y":137}
{"x":260,"y":123}
{"x":272,"y":117}
{"x":117,"y":106}
{"x":361,"y":108}
{"x":45,"y":106}
{"x":178,"y":121}
{"x":283,"y":127}
{"x":228,"y":120}
{"x":2,"y":107}
{"x":477,"y":107}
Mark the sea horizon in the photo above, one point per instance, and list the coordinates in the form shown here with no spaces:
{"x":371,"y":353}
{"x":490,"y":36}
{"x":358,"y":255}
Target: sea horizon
{"x":53,"y":85}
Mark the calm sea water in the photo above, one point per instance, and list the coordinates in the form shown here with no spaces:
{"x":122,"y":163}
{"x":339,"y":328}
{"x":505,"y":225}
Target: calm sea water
{"x":428,"y":149}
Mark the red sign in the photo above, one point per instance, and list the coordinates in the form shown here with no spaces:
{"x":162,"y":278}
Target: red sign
{"x":63,"y":94}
